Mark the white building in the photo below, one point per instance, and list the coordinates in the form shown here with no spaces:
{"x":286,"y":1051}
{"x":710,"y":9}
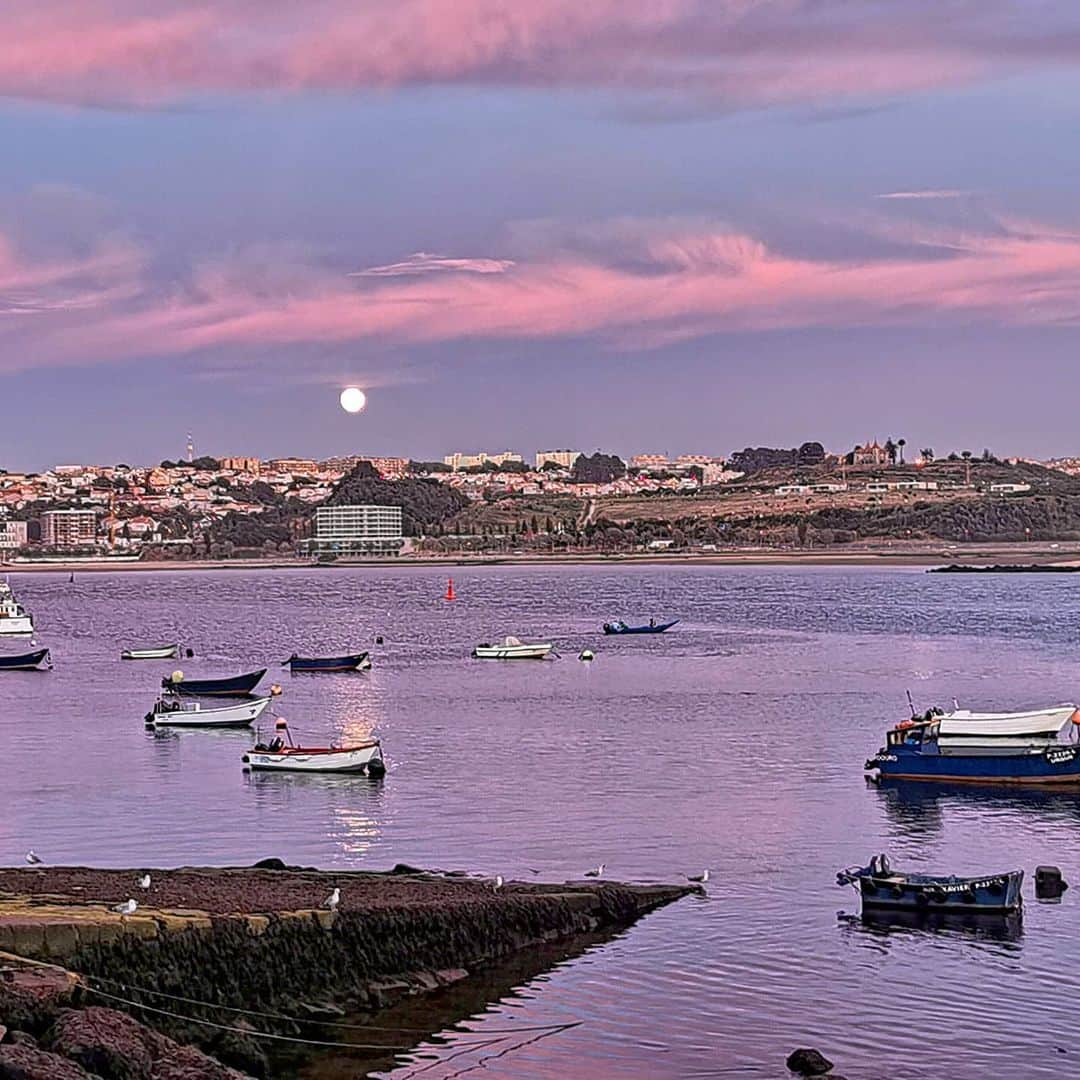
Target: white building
{"x":563,"y":458}
{"x":357,"y":530}
{"x":12,"y":535}
{"x":460,"y":461}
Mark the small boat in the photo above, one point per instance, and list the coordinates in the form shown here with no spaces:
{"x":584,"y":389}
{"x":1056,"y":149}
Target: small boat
{"x":171,"y":713}
{"x":964,"y":726}
{"x":281,"y":756}
{"x":880,"y":887}
{"x":237,"y":686}
{"x":352,"y":662}
{"x":159,"y":652}
{"x":913,"y":750}
{"x":14,"y":618}
{"x":651,"y":627}
{"x":38,"y":660}
{"x":510,"y":648}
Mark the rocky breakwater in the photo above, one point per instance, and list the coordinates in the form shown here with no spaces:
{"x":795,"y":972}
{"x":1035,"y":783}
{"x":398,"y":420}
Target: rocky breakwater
{"x":203,"y":941}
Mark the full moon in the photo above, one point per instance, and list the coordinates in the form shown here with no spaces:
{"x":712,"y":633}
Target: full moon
{"x":353,"y":399}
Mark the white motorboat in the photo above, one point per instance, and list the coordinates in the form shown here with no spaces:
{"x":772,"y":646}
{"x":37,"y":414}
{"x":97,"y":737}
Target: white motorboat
{"x":279,"y":756}
{"x":1035,"y":723}
{"x":159,"y":652}
{"x":510,"y":648}
{"x":14,"y":618}
{"x":173,"y":713}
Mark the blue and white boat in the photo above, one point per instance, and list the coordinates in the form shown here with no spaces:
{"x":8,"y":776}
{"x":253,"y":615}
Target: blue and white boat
{"x":882,"y":887}
{"x":917,"y":749}
{"x":617,"y":626}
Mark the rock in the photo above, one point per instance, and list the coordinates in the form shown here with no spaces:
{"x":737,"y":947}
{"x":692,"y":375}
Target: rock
{"x":21,"y":1038}
{"x":808,"y":1062}
{"x":405,"y":868}
{"x":319,"y":1010}
{"x":21,"y":1062}
{"x":270,"y":864}
{"x":240,"y":1052}
{"x":102,"y":1041}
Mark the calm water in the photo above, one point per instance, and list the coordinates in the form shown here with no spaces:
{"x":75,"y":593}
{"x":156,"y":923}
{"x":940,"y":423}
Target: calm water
{"x":734,"y":742}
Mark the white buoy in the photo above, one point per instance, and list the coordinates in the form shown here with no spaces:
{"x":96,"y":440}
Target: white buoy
{"x":586,"y":655}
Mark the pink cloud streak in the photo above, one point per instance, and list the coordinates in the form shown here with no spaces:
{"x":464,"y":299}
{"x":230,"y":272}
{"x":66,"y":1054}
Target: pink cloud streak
{"x":735,"y":52}
{"x":683,"y":283}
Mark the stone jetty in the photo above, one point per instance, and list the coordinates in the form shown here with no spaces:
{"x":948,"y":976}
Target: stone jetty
{"x":203,"y":941}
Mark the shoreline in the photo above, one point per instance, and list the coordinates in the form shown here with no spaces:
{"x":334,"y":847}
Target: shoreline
{"x":905,"y":555}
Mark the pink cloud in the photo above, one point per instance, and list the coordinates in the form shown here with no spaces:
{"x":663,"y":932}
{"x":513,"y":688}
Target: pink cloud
{"x":734,"y":52}
{"x":685,"y":281}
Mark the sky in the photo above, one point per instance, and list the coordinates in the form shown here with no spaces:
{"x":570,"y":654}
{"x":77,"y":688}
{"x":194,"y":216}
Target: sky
{"x":680,"y":226}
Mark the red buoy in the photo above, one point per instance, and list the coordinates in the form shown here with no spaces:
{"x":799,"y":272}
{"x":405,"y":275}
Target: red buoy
{"x":450,"y":590}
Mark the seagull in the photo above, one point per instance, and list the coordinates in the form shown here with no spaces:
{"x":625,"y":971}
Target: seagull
{"x":33,"y":858}
{"x":699,"y":878}
{"x":597,"y":872}
{"x":333,"y":900}
{"x":498,"y":882}
{"x":127,"y":908}
{"x":144,"y":881}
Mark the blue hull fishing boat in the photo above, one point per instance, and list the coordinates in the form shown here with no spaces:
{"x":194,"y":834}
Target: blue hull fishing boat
{"x":352,"y":662}
{"x":619,"y":627}
{"x":919,"y":750}
{"x":38,"y":660}
{"x":237,"y":686}
{"x":880,"y":887}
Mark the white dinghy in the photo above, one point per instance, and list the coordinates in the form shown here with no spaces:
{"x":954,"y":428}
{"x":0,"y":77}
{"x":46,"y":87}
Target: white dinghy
{"x":510,"y":648}
{"x":168,"y":712}
{"x":281,"y":756}
{"x":158,"y":652}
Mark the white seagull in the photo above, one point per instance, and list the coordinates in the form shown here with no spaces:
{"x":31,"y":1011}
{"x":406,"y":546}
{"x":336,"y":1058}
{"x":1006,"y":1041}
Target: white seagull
{"x":699,"y":878}
{"x":333,"y":900}
{"x":597,"y":872}
{"x":33,"y":858}
{"x":498,"y":882}
{"x":144,"y":881}
{"x":129,"y":907}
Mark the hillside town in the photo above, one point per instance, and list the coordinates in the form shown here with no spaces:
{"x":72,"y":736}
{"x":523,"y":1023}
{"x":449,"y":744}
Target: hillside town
{"x":190,"y":504}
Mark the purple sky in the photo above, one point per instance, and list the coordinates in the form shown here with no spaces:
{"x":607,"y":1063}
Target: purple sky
{"x":674,"y":225}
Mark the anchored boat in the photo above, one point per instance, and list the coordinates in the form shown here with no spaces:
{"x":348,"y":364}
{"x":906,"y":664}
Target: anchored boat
{"x":351,"y":662}
{"x":916,"y":750}
{"x":881,"y":887}
{"x":510,"y":648}
{"x":237,"y":686}
{"x":652,"y":627}
{"x":39,"y":660}
{"x":158,"y":652}
{"x":14,"y":618}
{"x":172,"y":713}
{"x":283,"y":755}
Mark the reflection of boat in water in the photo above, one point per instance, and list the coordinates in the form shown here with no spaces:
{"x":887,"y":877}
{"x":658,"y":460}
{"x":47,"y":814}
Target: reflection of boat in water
{"x":880,"y":886}
{"x":915,"y":806}
{"x":986,"y":925}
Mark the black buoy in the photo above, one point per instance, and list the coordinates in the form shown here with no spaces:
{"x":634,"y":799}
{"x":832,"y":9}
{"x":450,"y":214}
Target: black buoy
{"x":1049,"y":884}
{"x":378,"y":640}
{"x":189,"y":653}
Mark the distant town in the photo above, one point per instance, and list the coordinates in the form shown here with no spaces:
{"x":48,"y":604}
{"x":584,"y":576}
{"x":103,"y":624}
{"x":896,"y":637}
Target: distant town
{"x":561,"y":500}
